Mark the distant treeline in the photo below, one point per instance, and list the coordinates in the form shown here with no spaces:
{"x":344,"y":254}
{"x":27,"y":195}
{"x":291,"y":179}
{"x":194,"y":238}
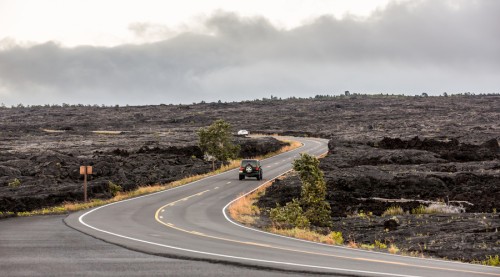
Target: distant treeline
{"x":346,"y":94}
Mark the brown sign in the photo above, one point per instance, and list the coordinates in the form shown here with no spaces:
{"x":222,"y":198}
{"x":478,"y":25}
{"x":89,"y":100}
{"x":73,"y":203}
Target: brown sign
{"x":85,"y":169}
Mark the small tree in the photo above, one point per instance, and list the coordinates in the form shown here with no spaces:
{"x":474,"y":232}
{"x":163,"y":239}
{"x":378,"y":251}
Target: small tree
{"x":215,"y":141}
{"x":313,"y":195}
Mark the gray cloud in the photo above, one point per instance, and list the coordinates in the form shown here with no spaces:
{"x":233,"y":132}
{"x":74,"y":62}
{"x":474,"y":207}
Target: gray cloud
{"x":150,"y":32}
{"x":409,"y":47}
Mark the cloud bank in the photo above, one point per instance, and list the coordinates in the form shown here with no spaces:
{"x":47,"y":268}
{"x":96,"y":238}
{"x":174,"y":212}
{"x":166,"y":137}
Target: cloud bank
{"x":408,"y":47}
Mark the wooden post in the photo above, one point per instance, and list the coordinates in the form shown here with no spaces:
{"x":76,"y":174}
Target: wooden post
{"x":85,"y":188}
{"x":84,"y":170}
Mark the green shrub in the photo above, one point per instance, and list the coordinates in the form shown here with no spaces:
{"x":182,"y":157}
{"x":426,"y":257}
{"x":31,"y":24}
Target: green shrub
{"x":492,"y":261}
{"x":421,"y":209}
{"x":380,"y":245}
{"x":289,"y":215}
{"x":337,"y":237}
{"x":313,"y":194}
{"x":15,"y":183}
{"x":367,"y":246}
{"x":114,"y":189}
{"x":7,"y":214}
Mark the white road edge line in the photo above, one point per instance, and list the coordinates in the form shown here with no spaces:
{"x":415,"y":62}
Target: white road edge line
{"x":328,"y":245}
{"x":80,"y":219}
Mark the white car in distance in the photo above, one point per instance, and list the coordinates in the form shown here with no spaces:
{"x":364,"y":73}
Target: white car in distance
{"x":243,"y":133}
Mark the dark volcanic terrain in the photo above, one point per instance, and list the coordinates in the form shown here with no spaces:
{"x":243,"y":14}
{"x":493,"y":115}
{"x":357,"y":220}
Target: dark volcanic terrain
{"x":384,"y":150}
{"x":363,"y":181}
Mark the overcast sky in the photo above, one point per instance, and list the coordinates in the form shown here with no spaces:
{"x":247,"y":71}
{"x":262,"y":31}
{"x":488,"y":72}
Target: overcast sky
{"x":152,"y":52}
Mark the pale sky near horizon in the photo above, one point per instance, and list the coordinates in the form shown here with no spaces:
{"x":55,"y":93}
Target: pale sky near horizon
{"x":151,"y":52}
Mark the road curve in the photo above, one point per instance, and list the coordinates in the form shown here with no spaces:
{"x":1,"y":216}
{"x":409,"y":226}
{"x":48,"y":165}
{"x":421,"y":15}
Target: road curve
{"x":191,"y":222}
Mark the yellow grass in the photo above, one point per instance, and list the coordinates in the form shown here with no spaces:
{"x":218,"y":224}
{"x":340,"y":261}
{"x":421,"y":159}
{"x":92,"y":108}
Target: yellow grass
{"x":243,"y":210}
{"x":367,"y":246}
{"x":490,"y":260}
{"x":352,"y":244}
{"x":76,"y":206}
{"x":393,"y":249}
{"x":393,"y":210}
{"x":306,"y":234}
{"x":143,"y":190}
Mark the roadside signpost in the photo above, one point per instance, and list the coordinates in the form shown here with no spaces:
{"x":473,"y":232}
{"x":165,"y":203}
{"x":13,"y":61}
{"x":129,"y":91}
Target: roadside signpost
{"x":84,"y":170}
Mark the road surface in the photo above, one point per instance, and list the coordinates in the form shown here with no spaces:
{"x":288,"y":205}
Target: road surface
{"x":191,"y":222}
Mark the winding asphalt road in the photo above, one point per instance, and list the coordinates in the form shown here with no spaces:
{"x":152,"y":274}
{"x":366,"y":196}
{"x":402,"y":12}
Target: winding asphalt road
{"x":191,"y":222}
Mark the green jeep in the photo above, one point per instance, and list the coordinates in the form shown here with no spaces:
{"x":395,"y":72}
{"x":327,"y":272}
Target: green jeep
{"x":250,"y":168}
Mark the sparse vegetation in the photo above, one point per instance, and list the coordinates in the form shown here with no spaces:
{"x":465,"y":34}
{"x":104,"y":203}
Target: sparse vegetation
{"x":312,"y":208}
{"x":14,"y":183}
{"x":7,"y":214}
{"x":290,"y":215}
{"x":215,"y":141}
{"x":114,"y":189}
{"x":244,"y":210}
{"x":421,"y":209}
{"x":337,"y":237}
{"x":352,"y":244}
{"x":492,"y":261}
{"x":313,"y":195}
{"x":376,"y":245}
{"x":437,"y":208}
{"x":334,"y":238}
{"x":393,"y":210}
{"x":380,"y":245}
{"x":367,"y":246}
{"x":393,"y":249}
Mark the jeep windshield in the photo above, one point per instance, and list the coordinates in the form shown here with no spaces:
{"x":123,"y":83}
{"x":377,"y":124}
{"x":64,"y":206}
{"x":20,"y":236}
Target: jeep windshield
{"x":251,"y":162}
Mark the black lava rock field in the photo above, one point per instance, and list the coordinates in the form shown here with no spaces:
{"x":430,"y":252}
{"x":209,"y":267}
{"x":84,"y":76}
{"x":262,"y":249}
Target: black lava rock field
{"x":384,"y":151}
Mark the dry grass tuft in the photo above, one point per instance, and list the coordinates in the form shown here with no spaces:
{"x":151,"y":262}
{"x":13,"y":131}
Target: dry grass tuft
{"x":352,"y":244}
{"x":333,"y":238}
{"x":393,"y":210}
{"x":244,"y":210}
{"x":437,"y":208}
{"x":393,"y":249}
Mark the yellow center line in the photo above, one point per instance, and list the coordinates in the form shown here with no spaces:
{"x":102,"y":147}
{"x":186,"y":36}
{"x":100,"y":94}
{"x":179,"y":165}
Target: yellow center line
{"x":170,"y":225}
